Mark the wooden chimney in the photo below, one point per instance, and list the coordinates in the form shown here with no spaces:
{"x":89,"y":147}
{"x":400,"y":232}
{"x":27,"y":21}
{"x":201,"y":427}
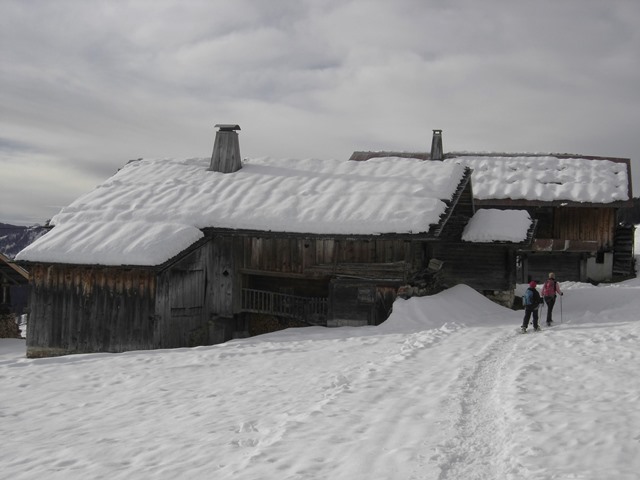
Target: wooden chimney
{"x":436,"y":146}
{"x":226,"y":150}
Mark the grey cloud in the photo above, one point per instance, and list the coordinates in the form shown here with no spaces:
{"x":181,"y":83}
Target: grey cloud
{"x":93,"y":84}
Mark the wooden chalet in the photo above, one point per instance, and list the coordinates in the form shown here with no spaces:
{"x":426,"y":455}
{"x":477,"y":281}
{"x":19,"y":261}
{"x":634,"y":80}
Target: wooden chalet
{"x":578,"y":238}
{"x":240,"y":264}
{"x":577,"y":235}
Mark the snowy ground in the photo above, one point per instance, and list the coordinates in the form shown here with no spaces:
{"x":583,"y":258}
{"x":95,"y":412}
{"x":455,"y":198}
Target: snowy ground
{"x":445,"y":389}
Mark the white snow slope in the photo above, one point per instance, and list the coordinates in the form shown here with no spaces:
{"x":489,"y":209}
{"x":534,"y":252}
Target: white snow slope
{"x":445,"y":389}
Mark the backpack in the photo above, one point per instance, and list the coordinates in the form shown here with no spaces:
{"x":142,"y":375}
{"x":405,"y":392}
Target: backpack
{"x":531,"y":298}
{"x":549,"y":288}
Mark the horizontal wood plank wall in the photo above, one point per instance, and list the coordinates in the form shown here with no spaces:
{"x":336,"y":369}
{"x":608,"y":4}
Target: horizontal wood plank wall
{"x":567,"y":266}
{"x":297,"y":255}
{"x":482,"y":267}
{"x":595,"y":224}
{"x":77,"y":309}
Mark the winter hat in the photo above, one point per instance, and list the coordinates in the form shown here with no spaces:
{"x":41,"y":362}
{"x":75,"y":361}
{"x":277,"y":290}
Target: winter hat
{"x":533,"y":284}
{"x":552,"y":275}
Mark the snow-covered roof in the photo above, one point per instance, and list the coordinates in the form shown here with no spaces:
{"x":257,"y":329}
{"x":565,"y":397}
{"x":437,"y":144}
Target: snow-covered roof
{"x":545,"y":178}
{"x":492,"y":225}
{"x":151,"y":210}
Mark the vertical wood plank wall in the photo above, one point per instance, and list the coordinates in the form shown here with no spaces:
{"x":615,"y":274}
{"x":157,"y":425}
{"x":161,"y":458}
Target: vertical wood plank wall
{"x":197,"y":296}
{"x":86,"y":309}
{"x":595,"y":224}
{"x":482,"y":267}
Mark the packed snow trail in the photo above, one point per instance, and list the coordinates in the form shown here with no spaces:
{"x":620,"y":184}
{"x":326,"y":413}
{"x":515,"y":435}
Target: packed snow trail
{"x":479,"y":426}
{"x":520,"y":396}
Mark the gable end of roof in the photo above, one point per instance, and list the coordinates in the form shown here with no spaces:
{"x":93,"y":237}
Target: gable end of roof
{"x":436,"y":230}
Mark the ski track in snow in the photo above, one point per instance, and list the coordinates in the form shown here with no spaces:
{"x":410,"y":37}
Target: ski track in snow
{"x":505,"y":425}
{"x":479,"y":424}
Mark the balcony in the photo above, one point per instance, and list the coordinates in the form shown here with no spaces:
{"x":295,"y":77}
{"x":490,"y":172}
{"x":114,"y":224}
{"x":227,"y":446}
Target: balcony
{"x":311,"y":310}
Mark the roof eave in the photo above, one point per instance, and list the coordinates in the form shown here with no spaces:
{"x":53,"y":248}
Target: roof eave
{"x":507,"y":202}
{"x":362,"y":156}
{"x":213,"y":231}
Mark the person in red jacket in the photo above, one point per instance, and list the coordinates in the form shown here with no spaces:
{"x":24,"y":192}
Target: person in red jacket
{"x":550,"y":290}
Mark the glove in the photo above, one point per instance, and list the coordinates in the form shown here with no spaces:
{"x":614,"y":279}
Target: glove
{"x":561,"y":293}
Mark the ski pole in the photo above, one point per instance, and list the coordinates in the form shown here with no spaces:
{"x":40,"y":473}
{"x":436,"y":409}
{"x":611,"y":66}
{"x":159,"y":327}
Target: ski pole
{"x":560,"y":308}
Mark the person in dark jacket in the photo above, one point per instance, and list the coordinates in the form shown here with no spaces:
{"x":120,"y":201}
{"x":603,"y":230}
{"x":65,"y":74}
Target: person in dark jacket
{"x":532,"y":301}
{"x":550,"y":290}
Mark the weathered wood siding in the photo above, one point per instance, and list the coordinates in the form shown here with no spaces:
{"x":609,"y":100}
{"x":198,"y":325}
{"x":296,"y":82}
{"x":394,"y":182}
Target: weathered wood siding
{"x":198,"y":296}
{"x":567,"y":266}
{"x":359,"y":276}
{"x":595,"y":224}
{"x":466,"y":203}
{"x":77,"y":309}
{"x":357,"y":302}
{"x":590,"y":224}
{"x":300,"y":286}
{"x":297,"y":255}
{"x":197,"y":300}
{"x":623,"y":258}
{"x":482,"y":267}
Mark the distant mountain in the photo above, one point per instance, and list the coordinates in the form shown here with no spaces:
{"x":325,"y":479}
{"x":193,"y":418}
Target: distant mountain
{"x":14,"y":238}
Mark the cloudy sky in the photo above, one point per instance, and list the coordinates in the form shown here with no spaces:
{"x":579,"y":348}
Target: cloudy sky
{"x":87,"y":85}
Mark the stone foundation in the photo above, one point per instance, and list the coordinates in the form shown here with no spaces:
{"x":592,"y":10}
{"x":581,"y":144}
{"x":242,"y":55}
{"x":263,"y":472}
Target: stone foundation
{"x":8,"y":326}
{"x":42,"y":352}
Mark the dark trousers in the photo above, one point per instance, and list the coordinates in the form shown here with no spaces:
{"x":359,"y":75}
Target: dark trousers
{"x":528,"y":310}
{"x":550,"y":301}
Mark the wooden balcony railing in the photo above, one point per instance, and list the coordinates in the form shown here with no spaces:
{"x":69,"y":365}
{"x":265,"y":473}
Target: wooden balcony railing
{"x":312,"y":310}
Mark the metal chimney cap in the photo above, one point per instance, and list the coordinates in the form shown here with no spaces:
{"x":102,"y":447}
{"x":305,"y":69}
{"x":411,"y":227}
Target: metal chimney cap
{"x":227,"y":127}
